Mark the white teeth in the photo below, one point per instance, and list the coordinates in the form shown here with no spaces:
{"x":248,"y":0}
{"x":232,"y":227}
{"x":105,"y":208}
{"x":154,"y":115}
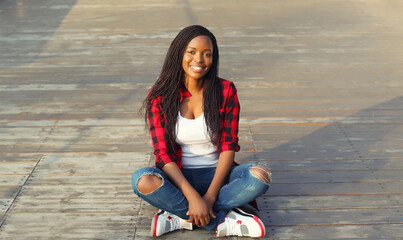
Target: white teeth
{"x":197,"y":68}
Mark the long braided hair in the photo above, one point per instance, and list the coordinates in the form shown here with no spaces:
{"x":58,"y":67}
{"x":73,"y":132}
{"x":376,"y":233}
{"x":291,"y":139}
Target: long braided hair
{"x":171,"y":79}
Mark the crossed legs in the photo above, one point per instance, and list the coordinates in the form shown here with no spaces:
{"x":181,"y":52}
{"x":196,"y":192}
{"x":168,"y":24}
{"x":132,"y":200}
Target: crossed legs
{"x":150,"y":182}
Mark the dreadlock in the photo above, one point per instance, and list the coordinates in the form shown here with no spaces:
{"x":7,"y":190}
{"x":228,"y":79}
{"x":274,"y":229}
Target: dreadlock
{"x":171,"y":79}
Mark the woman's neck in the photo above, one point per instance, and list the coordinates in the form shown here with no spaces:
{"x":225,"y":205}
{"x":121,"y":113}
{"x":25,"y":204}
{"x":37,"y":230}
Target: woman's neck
{"x":194,"y":86}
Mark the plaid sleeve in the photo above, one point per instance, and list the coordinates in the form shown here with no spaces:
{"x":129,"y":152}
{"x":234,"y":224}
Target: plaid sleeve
{"x":229,"y":135}
{"x":156,"y":120}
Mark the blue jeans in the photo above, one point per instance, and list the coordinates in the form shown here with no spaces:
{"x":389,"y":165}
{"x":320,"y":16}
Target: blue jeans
{"x":240,"y":187}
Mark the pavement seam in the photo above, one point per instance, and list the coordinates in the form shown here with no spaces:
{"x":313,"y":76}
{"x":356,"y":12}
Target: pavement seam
{"x":44,"y":140}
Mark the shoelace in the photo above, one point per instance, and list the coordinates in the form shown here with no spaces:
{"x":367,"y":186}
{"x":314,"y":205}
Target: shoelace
{"x":233,"y":228}
{"x":175,"y":223}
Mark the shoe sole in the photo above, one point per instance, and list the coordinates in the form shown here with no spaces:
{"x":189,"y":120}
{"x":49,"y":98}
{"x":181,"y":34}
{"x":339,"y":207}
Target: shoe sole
{"x":154,"y":223}
{"x":259,"y":222}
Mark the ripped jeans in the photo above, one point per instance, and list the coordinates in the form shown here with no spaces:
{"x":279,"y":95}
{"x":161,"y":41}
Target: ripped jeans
{"x":239,"y":188}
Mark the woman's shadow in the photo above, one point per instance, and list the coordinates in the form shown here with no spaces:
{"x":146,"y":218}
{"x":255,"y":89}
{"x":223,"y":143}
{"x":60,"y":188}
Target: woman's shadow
{"x":334,"y":167}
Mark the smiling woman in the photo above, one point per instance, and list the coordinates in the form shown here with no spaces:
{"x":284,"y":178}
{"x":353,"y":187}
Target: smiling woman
{"x":193,"y":118}
{"x":198,"y":58}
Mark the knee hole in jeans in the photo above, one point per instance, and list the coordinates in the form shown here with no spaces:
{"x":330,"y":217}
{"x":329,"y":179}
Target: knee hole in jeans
{"x":261,"y":172}
{"x":149,"y":183}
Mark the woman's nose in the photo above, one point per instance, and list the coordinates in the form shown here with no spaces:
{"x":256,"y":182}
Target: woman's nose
{"x":198,"y":58}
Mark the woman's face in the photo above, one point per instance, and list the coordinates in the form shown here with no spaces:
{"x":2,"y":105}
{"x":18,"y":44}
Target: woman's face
{"x":198,"y":58}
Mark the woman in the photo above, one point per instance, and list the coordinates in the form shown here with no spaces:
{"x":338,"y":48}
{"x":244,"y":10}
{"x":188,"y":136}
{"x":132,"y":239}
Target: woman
{"x":193,"y":119}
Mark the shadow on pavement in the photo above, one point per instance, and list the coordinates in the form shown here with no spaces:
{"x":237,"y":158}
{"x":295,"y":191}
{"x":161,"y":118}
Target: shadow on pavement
{"x":26,"y":27}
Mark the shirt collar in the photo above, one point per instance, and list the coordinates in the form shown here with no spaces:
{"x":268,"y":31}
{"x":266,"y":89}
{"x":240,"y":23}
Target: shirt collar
{"x":183,"y":93}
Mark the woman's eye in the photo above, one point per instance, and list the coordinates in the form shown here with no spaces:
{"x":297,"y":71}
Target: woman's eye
{"x":208,"y":54}
{"x":191,"y":52}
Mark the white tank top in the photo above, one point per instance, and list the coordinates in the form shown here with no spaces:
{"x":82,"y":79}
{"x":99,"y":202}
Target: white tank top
{"x":197,"y":149}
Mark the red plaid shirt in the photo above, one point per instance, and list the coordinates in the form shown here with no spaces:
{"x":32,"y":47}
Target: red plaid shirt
{"x":229,"y":118}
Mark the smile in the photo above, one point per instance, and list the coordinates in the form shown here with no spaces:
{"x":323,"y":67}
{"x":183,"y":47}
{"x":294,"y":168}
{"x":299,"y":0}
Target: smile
{"x":197,"y":69}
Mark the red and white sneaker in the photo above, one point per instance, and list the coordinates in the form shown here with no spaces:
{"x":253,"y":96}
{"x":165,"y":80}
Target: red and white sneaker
{"x":240,"y":223}
{"x":164,"y":222}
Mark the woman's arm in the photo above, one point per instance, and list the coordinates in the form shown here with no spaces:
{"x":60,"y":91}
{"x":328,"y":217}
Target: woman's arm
{"x":198,"y":208}
{"x":156,"y":122}
{"x":225,"y":162}
{"x":228,"y":142}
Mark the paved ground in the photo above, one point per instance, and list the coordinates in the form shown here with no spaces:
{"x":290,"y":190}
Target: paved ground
{"x":320,"y":84}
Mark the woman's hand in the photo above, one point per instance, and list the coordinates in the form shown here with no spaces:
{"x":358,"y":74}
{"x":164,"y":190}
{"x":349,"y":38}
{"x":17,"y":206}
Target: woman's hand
{"x":210,"y":200}
{"x":198,"y":211}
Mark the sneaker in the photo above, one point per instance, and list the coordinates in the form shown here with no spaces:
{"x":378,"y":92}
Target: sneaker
{"x":240,"y":223}
{"x":164,"y":222}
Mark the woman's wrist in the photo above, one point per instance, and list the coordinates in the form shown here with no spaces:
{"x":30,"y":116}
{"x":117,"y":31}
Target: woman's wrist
{"x":210,"y":195}
{"x":191,"y":194}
